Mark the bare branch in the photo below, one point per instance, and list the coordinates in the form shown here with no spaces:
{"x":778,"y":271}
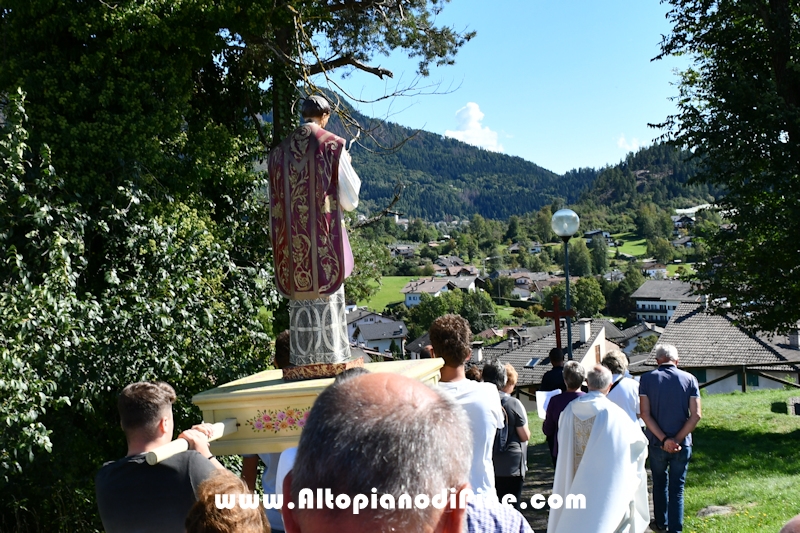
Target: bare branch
{"x":398,"y":191}
{"x":348,"y":60}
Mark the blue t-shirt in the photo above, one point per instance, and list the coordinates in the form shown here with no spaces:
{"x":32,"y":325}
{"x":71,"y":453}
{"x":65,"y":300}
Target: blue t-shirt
{"x":668,"y":390}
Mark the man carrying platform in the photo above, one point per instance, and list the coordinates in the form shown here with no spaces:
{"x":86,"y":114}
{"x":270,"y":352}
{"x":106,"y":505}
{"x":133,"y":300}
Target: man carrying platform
{"x":312,"y":183}
{"x":135,"y":496}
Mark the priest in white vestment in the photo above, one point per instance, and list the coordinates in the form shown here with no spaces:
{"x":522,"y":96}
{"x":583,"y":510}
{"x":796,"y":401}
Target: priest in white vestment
{"x":601,"y":455}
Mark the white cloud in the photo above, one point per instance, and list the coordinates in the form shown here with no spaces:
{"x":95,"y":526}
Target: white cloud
{"x":631,"y":146}
{"x":471,"y":131}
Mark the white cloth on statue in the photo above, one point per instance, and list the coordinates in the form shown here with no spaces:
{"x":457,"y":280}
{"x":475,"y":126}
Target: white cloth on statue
{"x":609,"y":471}
{"x":349,"y":183}
{"x":626,"y":395}
{"x":482,"y":404}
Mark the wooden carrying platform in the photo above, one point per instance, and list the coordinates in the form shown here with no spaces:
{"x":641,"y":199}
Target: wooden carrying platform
{"x":271,"y":412}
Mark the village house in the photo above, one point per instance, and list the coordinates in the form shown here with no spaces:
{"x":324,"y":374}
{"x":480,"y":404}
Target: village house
{"x":533,"y":248}
{"x":656,"y":300}
{"x":683,"y":242}
{"x":682,"y":221}
{"x":449,"y":261}
{"x":655,"y":270}
{"x":433,"y":286}
{"x":379,"y":336}
{"x":361,"y":316}
{"x":595,"y":233}
{"x":719,"y":353}
{"x":406,"y":251}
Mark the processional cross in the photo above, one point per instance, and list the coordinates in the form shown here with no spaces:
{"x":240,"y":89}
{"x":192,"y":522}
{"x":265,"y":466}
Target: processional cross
{"x":556,"y":315}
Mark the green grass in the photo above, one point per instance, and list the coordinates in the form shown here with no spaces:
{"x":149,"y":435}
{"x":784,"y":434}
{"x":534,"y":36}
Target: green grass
{"x":745,"y":457}
{"x":504,"y":312}
{"x":671,"y":268}
{"x":631,"y":244}
{"x":388,"y":293}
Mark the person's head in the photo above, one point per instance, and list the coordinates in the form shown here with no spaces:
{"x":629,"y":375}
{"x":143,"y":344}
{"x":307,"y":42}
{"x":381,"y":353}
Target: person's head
{"x":792,"y":526}
{"x":666,"y":353}
{"x":282,"y":349}
{"x":574,"y":374}
{"x":356,"y":441}
{"x":316,"y":108}
{"x":145,"y":410}
{"x":205,"y":517}
{"x":494,"y":372}
{"x":599,"y":378}
{"x":451,"y":339}
{"x":350,"y":373}
{"x":511,"y":378}
{"x":615,"y":361}
{"x":556,"y":356}
{"x":426,"y":352}
{"x":472,"y":372}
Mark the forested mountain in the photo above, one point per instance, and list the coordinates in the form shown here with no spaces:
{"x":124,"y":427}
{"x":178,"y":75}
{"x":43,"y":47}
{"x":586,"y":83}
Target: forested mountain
{"x":658,"y":174}
{"x":444,"y":178}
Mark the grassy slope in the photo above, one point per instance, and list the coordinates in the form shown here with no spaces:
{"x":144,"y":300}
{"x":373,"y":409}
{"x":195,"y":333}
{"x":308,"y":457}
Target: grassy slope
{"x":631,"y":245}
{"x":388,"y":293}
{"x":745,"y":457}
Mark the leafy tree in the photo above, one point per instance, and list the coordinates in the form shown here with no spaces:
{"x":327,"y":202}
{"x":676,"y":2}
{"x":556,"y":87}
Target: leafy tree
{"x":739,"y":113}
{"x":646,"y":343}
{"x":500,"y":287}
{"x":174,"y":305}
{"x":512,"y":233}
{"x":599,"y":252}
{"x":580,"y":261}
{"x":589,"y":299}
{"x":370,"y":260}
{"x":661,"y":249}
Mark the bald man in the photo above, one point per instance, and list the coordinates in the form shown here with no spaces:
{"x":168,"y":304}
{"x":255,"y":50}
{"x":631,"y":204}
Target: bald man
{"x":384,"y":436}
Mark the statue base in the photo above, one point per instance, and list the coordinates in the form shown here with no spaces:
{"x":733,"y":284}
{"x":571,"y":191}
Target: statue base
{"x":271,"y":412}
{"x":320,"y":370}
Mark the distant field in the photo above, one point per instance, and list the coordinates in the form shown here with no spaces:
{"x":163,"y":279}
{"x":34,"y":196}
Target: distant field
{"x":673,"y":267}
{"x":631,"y":245}
{"x":388,"y":293}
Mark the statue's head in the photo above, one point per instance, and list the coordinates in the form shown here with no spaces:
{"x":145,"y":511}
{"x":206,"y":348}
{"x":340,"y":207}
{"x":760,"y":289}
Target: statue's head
{"x":315,"y":106}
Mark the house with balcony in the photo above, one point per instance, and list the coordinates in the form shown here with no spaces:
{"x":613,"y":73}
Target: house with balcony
{"x":414,"y":290}
{"x":657,"y":299}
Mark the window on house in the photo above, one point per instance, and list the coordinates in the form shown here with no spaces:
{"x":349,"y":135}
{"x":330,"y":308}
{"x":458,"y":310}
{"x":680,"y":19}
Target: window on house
{"x":752,"y":380}
{"x":700,"y":374}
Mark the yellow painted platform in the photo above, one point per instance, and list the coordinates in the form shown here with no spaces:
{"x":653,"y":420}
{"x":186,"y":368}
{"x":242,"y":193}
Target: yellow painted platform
{"x":271,"y":412}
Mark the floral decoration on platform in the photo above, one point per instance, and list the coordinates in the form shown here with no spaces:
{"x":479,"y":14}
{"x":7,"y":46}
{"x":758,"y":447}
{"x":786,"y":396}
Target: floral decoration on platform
{"x":277,"y":420}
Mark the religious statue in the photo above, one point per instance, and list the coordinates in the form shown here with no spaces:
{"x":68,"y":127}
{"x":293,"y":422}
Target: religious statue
{"x":312,"y":183}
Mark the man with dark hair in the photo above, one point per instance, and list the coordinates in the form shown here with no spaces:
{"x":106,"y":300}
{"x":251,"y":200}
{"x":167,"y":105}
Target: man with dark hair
{"x":670,"y":408}
{"x":312,"y":184}
{"x":355,"y":445}
{"x":426,"y":352}
{"x":282,"y":349}
{"x":451,"y":339}
{"x":554,"y":378}
{"x":134,"y":496}
{"x":574,"y":374}
{"x":510,"y":464}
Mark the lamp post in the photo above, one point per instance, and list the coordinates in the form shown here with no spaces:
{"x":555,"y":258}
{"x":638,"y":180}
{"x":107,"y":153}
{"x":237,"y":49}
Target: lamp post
{"x":565,"y":223}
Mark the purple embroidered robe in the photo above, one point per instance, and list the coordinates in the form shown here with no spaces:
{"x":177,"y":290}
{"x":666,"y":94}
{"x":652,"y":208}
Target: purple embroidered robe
{"x":310,"y":246}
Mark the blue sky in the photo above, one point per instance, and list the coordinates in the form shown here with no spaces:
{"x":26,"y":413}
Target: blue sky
{"x":561,"y":83}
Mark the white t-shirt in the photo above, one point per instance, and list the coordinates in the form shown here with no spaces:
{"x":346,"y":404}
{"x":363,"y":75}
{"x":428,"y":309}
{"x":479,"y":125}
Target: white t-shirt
{"x":626,"y":395}
{"x":485,"y":414}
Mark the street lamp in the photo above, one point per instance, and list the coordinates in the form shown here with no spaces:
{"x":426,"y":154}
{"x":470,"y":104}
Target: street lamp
{"x":565,"y":223}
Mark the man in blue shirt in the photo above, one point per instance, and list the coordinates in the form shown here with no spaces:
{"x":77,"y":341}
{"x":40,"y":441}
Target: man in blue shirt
{"x":670,"y":408}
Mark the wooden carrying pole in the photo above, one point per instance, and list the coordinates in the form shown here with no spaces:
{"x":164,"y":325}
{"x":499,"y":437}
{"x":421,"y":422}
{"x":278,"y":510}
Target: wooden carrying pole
{"x":226,"y":427}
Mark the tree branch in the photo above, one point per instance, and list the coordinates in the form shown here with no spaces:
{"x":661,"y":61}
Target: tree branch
{"x":398,"y":191}
{"x":348,"y":60}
